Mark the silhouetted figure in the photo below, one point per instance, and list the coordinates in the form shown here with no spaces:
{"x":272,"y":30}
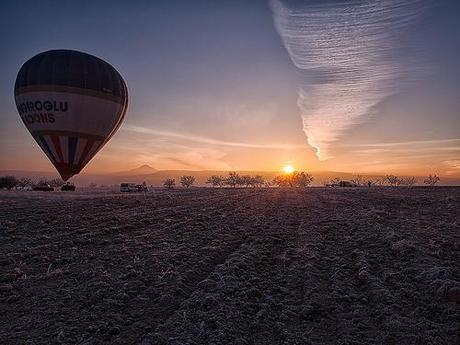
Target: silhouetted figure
{"x":369,"y":184}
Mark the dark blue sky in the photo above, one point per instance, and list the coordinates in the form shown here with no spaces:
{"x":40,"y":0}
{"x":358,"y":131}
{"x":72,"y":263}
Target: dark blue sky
{"x":212,"y":86}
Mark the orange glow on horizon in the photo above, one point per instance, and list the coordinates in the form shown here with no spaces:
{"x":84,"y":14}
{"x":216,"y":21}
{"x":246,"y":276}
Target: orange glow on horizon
{"x":288,"y":169}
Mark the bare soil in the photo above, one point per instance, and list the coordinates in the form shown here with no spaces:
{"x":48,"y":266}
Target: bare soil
{"x":248,"y":266}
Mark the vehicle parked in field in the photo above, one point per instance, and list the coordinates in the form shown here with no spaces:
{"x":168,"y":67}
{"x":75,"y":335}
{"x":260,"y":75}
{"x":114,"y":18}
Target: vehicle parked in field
{"x":342,"y":184}
{"x":43,"y":188}
{"x":68,"y":187}
{"x":133,"y":187}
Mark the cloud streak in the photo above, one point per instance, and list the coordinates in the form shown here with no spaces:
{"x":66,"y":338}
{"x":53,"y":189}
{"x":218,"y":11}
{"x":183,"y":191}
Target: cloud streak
{"x":414,"y":142}
{"x":205,"y":140}
{"x":347,"y":54}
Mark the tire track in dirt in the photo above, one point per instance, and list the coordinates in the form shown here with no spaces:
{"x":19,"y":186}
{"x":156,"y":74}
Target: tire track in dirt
{"x":223,"y":256}
{"x":253,"y":256}
{"x":362,"y":299}
{"x":178,"y":226}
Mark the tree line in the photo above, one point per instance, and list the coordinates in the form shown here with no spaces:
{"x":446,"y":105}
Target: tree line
{"x":387,"y":180}
{"x":300,"y":180}
{"x":235,"y":180}
{"x":10,"y":182}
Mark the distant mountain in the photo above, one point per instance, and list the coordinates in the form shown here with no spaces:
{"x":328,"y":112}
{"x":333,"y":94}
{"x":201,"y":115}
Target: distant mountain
{"x":142,"y":170}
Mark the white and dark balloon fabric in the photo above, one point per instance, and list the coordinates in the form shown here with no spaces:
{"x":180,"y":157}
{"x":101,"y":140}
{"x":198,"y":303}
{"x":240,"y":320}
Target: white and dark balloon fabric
{"x":72,"y":103}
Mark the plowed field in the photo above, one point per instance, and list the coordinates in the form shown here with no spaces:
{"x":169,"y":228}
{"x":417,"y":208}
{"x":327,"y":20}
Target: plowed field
{"x":245,"y":266}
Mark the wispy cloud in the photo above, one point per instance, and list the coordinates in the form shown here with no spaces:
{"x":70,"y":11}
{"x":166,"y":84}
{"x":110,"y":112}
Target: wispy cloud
{"x":452,"y":167}
{"x":205,"y":140}
{"x":411,"y":150}
{"x":347,"y":54}
{"x":409,"y":143}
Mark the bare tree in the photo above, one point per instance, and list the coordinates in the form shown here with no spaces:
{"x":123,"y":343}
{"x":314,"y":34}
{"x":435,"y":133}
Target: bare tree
{"x":303,"y":180}
{"x":295,"y":179}
{"x":292,"y":178}
{"x":187,"y":181}
{"x":245,"y":180}
{"x":380,"y":181}
{"x":392,"y":180}
{"x":215,"y":181}
{"x":335,"y":181}
{"x":280,"y":181}
{"x":258,"y":181}
{"x":233,"y":179}
{"x":25,"y":182}
{"x":358,"y":180}
{"x":8,"y":182}
{"x":432,"y":180}
{"x":169,"y":183}
{"x":408,"y":181}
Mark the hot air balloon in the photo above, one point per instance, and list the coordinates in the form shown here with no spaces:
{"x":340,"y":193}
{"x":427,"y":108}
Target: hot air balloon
{"x":72,"y":103}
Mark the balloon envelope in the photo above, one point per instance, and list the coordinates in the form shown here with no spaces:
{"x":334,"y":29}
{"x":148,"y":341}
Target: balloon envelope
{"x":72,"y":103}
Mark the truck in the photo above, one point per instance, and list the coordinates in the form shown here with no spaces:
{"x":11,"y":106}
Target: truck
{"x":132,"y":187}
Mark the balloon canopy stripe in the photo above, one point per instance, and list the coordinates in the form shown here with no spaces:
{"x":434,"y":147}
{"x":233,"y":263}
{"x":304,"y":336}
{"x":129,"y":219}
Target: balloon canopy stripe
{"x":72,"y":148}
{"x":92,"y":152}
{"x":68,"y":134}
{"x":88,"y":146}
{"x":57,"y":147}
{"x":81,"y":143}
{"x":74,"y":69}
{"x":64,"y":147}
{"x":49,"y":142}
{"x":69,"y":89}
{"x":43,"y":144}
{"x":79,"y":152}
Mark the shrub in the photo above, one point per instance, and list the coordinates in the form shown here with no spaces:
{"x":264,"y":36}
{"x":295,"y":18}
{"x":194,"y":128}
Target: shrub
{"x":215,"y":181}
{"x":8,"y":182}
{"x":24,"y":182}
{"x":408,"y":181}
{"x":380,"y":181}
{"x":358,"y":180}
{"x":432,"y":180}
{"x":233,"y":179}
{"x":169,"y":183}
{"x":296,"y":179}
{"x":245,"y":180}
{"x":303,"y":180}
{"x":392,"y":180}
{"x":187,"y":181}
{"x":258,"y":181}
{"x":280,"y":181}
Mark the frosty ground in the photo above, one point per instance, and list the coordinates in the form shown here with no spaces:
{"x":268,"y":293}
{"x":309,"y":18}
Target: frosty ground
{"x":223,"y":266}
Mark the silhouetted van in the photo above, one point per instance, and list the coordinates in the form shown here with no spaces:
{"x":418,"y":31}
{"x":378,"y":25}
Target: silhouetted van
{"x":43,"y":188}
{"x":346,"y":184}
{"x":342,"y":184}
{"x":132,"y":187}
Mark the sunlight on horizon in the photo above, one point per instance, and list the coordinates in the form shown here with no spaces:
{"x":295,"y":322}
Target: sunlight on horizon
{"x":288,"y":169}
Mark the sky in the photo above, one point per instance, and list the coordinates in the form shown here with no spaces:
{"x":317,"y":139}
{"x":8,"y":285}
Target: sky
{"x":353,"y":86}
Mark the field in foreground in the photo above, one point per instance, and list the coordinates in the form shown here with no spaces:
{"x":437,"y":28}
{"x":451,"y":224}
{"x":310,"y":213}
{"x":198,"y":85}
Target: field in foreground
{"x":203,"y":266}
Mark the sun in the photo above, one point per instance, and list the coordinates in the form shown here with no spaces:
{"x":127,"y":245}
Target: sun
{"x":288,"y":169}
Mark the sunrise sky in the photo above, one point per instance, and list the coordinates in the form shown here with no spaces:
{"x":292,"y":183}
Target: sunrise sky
{"x":250,"y":85}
